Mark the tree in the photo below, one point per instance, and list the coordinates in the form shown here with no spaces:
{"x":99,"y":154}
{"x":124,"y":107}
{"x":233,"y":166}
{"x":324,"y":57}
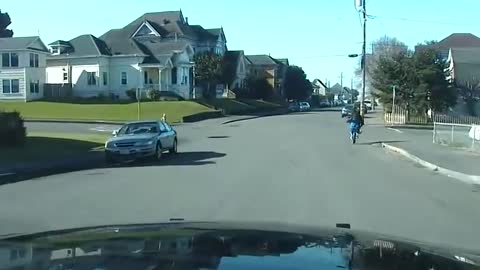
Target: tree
{"x":382,"y":47}
{"x":261,"y":89}
{"x":296,"y":84}
{"x":419,"y":79}
{"x":4,"y":23}
{"x":469,"y":91}
{"x":208,"y":70}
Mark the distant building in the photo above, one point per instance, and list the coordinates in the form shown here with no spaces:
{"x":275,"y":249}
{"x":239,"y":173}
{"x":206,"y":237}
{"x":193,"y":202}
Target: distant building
{"x":456,"y":40}
{"x":22,"y":71}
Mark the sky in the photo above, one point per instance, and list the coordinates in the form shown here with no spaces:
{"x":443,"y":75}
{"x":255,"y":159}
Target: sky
{"x":314,"y":34}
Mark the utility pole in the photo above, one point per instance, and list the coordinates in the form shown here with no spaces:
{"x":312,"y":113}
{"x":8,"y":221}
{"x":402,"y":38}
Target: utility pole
{"x":364,"y":54}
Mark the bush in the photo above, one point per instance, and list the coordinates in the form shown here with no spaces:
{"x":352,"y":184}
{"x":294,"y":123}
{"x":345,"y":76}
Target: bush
{"x":12,"y":131}
{"x":132,"y":94}
{"x":153,"y":94}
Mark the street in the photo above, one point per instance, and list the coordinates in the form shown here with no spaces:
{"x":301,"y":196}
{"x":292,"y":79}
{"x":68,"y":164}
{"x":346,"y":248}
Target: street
{"x":297,"y":168}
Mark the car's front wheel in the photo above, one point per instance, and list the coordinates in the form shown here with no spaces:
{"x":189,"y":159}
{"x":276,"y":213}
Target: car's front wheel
{"x":158,"y":152}
{"x":174,"y":149}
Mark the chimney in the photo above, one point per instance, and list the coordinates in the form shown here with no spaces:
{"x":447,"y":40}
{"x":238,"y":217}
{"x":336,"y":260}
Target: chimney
{"x":186,"y":20}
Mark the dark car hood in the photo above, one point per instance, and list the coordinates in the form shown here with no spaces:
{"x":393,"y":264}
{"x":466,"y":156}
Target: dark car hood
{"x":223,"y":246}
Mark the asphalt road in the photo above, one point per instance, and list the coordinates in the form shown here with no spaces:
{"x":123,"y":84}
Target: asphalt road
{"x":297,"y":168}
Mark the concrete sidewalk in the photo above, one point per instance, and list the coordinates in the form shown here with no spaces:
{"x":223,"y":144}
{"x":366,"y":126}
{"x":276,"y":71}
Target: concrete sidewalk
{"x":419,"y":142}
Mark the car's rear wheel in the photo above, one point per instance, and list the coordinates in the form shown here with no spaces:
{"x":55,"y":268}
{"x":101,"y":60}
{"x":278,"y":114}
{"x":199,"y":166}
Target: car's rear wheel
{"x":158,"y":152}
{"x":174,"y":149}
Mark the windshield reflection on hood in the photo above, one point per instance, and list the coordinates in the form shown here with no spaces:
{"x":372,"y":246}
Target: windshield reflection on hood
{"x":221,"y":250}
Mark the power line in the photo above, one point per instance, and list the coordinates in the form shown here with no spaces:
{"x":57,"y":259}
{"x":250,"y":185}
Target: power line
{"x":411,"y":20}
{"x":319,"y":56}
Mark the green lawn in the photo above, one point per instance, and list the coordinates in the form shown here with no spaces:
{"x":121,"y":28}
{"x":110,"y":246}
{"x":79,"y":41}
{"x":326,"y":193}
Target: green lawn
{"x":175,"y":110}
{"x":41,"y":146}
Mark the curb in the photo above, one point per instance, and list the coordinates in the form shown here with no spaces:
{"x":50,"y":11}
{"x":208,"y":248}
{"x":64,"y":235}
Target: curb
{"x":467,"y":178}
{"x":410,"y":127}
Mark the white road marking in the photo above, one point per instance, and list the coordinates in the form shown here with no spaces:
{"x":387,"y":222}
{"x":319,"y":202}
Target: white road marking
{"x":6,"y":174}
{"x":396,"y":130}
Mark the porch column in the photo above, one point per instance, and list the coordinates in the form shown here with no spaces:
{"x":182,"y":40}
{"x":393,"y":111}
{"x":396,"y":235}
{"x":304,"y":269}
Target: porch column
{"x":160,"y":79}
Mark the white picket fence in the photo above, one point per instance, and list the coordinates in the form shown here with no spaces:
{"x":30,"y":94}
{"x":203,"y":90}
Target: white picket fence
{"x":398,"y":116}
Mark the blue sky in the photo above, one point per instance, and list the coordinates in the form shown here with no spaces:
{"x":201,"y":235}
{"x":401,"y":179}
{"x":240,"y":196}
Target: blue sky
{"x":309,"y":32}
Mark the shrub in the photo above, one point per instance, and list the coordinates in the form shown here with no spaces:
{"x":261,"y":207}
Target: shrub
{"x":132,"y":94}
{"x":12,"y":131}
{"x":153,"y":94}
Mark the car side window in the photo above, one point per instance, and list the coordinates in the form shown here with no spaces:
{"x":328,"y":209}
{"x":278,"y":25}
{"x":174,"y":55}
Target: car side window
{"x":162,"y":127}
{"x":168,"y":127}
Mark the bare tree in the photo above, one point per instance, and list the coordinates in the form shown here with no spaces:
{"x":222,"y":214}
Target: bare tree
{"x":383,"y":47}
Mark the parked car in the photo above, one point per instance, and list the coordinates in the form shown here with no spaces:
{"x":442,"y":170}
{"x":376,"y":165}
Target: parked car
{"x":141,"y":140}
{"x":304,"y":106}
{"x":324,"y":104}
{"x":368,"y":104}
{"x":294,"y":106}
{"x":347,"y":110}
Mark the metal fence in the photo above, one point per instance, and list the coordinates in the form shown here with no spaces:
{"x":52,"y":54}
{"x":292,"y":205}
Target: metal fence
{"x":457,"y":135}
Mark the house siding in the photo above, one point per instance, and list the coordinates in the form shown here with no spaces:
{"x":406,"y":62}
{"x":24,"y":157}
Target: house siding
{"x":13,"y":73}
{"x":134,"y":77}
{"x":77,"y":74}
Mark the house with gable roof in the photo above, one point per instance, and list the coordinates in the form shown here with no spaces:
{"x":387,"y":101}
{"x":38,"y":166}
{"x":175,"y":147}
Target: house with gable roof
{"x":155,"y":51}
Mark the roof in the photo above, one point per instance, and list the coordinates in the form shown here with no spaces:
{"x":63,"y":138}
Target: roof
{"x":261,"y":60}
{"x":22,"y":43}
{"x":233,"y":57}
{"x":319,"y":81}
{"x":283,"y":61}
{"x":466,"y":55}
{"x":84,"y":45}
{"x":160,"y":51}
{"x":60,"y":43}
{"x":459,"y":40}
{"x":119,"y":44}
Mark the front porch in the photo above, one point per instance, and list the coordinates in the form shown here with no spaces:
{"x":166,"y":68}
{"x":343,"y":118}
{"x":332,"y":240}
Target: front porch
{"x":174,"y":79}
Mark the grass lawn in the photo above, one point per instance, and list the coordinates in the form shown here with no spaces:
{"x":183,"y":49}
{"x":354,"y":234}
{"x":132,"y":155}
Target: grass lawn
{"x":175,"y":110}
{"x":43,"y":146}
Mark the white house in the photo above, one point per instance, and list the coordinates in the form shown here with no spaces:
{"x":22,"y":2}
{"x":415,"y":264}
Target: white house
{"x":153,"y":52}
{"x":22,"y":71}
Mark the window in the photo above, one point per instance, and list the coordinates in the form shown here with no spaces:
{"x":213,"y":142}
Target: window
{"x":145,"y":77}
{"x":174,"y":75}
{"x":5,"y":60}
{"x":36,"y":60}
{"x":105,"y":78}
{"x":124,"y":78}
{"x":15,"y":86}
{"x":34,"y":87}
{"x":65,"y":76}
{"x":9,"y":59}
{"x":14,"y":59}
{"x":6,"y":86}
{"x":11,"y":86}
{"x":162,"y":127}
{"x":33,"y":60}
{"x":91,"y":78}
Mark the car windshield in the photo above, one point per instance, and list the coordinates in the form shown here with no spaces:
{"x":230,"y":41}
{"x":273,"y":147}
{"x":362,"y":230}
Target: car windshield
{"x":308,"y":112}
{"x":139,"y":128}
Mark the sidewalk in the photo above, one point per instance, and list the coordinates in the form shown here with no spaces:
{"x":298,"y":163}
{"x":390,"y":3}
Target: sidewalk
{"x":418,"y":142}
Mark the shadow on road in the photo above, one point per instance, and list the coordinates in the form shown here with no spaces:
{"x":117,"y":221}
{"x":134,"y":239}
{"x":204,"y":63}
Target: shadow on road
{"x":218,"y":137}
{"x":378,"y":142}
{"x":179,"y":159}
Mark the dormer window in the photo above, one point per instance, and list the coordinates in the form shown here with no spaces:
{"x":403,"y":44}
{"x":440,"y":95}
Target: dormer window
{"x":146,"y":30}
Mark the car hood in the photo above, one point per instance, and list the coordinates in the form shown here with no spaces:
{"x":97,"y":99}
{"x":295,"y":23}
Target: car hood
{"x":226,"y":246}
{"x":133,"y":138}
